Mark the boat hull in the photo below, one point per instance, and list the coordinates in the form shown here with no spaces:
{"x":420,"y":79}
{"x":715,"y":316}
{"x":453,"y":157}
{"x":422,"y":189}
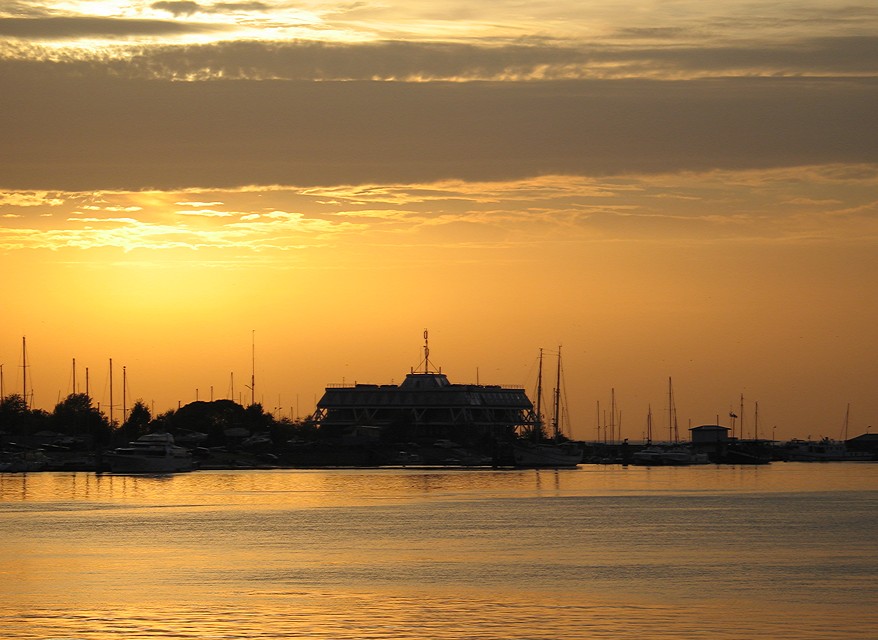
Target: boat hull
{"x":152,"y":453}
{"x":142,"y":464}
{"x":669,"y":458}
{"x":546,"y":455}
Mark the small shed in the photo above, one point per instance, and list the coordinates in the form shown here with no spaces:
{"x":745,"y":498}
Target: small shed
{"x":709,"y":434}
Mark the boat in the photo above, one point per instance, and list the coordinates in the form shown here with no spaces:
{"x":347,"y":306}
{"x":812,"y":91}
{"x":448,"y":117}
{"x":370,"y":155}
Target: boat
{"x":535,"y":450}
{"x":21,"y":459}
{"x":648,"y":456}
{"x":151,"y":453}
{"x":670,"y":455}
{"x":676,"y":456}
{"x":651,"y":454}
{"x":683,"y":456}
{"x":825,"y":450}
{"x":546,"y":454}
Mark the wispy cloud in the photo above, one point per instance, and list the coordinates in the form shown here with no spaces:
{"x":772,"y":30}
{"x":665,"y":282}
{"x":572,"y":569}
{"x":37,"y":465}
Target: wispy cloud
{"x":206,"y":213}
{"x":534,"y":60}
{"x":178,"y":8}
{"x":188,"y":8}
{"x":29,"y":199}
{"x":65,"y":27}
{"x":781,"y":205}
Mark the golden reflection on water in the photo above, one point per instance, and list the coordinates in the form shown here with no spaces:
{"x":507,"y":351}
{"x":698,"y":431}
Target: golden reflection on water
{"x":783,"y":552}
{"x":382,"y":615}
{"x":311,"y":488}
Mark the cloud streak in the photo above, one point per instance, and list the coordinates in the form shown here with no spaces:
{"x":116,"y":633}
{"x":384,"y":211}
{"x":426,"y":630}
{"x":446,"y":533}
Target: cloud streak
{"x":776,"y":206}
{"x":188,"y":8}
{"x":531,"y":59}
{"x":66,"y":27}
{"x":91,"y":134}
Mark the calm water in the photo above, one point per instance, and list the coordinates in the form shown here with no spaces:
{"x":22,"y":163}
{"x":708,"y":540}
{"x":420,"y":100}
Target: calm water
{"x":784,"y":551}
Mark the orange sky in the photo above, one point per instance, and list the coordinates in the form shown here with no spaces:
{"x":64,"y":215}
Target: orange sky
{"x":665,"y":189}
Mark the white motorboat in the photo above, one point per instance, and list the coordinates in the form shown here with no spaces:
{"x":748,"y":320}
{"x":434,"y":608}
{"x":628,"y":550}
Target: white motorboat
{"x":825,"y":450}
{"x":152,"y":453}
{"x":682,"y":456}
{"x":650,"y":455}
{"x":670,"y":457}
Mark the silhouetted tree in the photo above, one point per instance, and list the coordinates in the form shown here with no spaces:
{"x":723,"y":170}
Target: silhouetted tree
{"x":164,"y":421}
{"x":16,"y":418}
{"x":212,"y":418}
{"x":306,"y":429}
{"x":255,"y":418}
{"x":12,"y":410}
{"x":137,"y":423}
{"x":76,"y":416}
{"x":284,"y":430}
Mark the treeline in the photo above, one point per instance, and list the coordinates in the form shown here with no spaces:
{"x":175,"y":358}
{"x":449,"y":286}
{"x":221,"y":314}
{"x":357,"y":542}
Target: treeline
{"x":78,"y":420}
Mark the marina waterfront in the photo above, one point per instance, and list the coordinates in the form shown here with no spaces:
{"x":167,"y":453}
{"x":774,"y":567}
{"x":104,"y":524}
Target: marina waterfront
{"x":786,"y":550}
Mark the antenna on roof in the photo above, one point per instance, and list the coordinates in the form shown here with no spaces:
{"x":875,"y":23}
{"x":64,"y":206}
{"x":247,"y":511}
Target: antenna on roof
{"x":426,"y":352}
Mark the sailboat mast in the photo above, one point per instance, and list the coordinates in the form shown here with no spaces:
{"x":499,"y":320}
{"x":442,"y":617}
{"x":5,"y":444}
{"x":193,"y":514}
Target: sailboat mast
{"x":24,"y":369}
{"x":556,"y":409}
{"x":124,"y":395}
{"x":613,"y":415}
{"x":670,"y":410}
{"x":111,"y":393}
{"x":539,"y":418}
{"x":253,"y":371}
{"x":74,"y":375}
{"x":756,"y":421}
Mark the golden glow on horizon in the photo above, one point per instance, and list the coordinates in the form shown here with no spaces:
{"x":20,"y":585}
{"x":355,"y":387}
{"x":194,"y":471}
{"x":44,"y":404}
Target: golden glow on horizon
{"x":719,"y":231}
{"x":632,"y":275}
{"x":817,"y":204}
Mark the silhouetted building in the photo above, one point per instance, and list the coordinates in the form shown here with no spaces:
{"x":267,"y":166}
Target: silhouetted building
{"x":427,"y":405}
{"x":714,"y":440}
{"x":867,"y":442}
{"x":709,"y":436}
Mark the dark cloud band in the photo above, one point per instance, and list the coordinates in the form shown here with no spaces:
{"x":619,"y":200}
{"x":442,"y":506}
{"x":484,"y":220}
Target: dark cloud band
{"x":80,"y":134}
{"x":81,"y":27}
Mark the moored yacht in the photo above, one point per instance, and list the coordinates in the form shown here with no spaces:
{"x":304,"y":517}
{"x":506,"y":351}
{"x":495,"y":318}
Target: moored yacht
{"x":825,"y":450}
{"x":152,"y":453}
{"x":546,"y":454}
{"x":676,"y":456}
{"x":536,"y":450}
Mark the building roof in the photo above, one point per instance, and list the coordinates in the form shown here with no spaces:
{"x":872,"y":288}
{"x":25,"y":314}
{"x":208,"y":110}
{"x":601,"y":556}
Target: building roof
{"x":709,"y":427}
{"x":424,"y":390}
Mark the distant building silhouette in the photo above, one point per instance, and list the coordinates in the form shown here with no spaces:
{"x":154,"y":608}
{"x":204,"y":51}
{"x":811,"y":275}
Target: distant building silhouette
{"x":427,"y":405}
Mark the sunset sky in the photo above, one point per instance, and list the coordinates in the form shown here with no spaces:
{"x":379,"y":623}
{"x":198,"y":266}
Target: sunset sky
{"x":666,"y":188}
